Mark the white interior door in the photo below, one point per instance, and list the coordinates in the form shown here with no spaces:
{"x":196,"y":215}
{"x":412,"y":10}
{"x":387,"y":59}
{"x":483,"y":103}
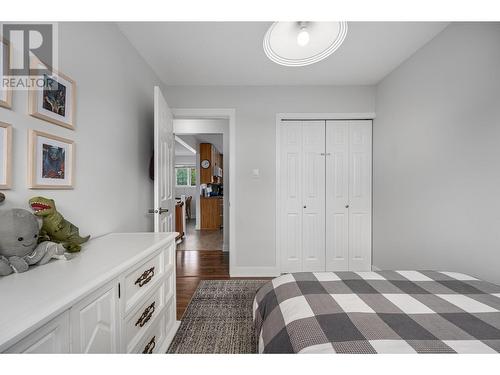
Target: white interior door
{"x":337,"y":196}
{"x":313,"y":196}
{"x":360,"y":195}
{"x":164,"y":165}
{"x":290,"y":216}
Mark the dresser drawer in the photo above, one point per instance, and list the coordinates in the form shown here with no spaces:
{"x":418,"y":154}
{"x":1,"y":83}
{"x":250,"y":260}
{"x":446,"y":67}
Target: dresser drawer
{"x":154,"y":338}
{"x":142,"y":318}
{"x":139,"y":282}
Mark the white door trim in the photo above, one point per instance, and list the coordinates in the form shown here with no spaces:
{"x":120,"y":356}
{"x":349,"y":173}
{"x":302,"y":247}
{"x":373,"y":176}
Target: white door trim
{"x":229,"y":114}
{"x":301,"y":116}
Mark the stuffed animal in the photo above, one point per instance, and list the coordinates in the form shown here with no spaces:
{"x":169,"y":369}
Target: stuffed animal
{"x":55,"y":227}
{"x":46,"y":251}
{"x":19,"y":246}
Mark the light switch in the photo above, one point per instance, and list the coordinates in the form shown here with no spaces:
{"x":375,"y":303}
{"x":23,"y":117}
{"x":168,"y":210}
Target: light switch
{"x":255,"y":173}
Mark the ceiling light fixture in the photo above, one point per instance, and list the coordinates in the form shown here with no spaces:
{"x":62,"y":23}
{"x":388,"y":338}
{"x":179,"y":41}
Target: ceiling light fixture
{"x":303,"y":43}
{"x":303,"y":35}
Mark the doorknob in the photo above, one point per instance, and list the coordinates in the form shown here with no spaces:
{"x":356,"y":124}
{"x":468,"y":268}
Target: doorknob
{"x":346,"y":206}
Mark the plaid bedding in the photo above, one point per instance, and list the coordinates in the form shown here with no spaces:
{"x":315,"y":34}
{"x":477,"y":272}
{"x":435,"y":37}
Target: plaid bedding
{"x":377,"y":312}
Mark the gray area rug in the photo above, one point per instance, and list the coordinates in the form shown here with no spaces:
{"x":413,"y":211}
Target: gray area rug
{"x":218,"y":319}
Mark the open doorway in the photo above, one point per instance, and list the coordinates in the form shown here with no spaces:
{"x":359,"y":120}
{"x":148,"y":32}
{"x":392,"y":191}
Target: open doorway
{"x":202,"y":186}
{"x":199,"y":188}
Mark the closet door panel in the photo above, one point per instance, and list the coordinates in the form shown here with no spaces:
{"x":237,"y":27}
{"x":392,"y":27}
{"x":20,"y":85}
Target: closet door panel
{"x":337,"y":196}
{"x":360,"y":194}
{"x":313,"y":209}
{"x":359,"y":242}
{"x":291,"y":197}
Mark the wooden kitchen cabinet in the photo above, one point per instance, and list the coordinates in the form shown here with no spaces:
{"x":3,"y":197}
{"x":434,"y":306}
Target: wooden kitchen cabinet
{"x":206,"y":153}
{"x":210,"y":153}
{"x":211,"y":208}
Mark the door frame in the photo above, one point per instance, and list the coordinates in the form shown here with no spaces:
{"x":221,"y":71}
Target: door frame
{"x":230,"y":115}
{"x":304,"y":116}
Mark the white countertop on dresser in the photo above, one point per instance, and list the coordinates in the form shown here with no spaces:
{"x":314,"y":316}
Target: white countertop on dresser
{"x":30,"y":299}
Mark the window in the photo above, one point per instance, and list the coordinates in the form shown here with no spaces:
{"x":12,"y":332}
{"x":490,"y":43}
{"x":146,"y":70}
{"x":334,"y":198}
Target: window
{"x":193,"y":176}
{"x":185,"y":176}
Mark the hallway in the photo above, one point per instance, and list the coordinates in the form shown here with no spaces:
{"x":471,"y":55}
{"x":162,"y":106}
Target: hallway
{"x":201,"y":239}
{"x":198,"y":257}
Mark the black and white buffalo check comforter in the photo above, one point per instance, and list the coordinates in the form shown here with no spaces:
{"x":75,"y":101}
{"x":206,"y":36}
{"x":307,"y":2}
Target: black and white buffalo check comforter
{"x":378,"y":312}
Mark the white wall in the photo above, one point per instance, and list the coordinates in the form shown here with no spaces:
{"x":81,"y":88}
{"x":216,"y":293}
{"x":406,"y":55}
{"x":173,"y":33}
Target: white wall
{"x":256,"y":109}
{"x":113,"y":136}
{"x":187,"y":160}
{"x":437,"y":157}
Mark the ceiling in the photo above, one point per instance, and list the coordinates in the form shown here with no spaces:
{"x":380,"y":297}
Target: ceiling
{"x":215,"y":139}
{"x":180,"y":150}
{"x":231,"y":53}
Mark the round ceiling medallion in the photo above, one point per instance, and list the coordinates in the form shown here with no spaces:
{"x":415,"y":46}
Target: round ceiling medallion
{"x":303,"y":43}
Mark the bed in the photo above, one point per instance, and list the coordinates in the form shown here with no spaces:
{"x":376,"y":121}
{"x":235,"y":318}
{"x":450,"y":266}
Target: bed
{"x":377,"y":312}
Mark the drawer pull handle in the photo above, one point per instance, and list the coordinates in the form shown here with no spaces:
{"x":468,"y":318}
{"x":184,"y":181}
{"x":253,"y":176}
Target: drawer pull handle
{"x":146,"y":315}
{"x":145,"y":277}
{"x":150,"y":346}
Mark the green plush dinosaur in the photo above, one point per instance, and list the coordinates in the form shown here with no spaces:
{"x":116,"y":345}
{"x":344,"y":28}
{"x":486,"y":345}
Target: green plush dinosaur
{"x":55,"y":227}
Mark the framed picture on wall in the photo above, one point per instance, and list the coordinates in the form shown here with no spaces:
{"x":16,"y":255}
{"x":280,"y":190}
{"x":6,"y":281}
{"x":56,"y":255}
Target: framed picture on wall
{"x":5,"y":93}
{"x":5,"y":155}
{"x":51,"y":161}
{"x":55,"y":100}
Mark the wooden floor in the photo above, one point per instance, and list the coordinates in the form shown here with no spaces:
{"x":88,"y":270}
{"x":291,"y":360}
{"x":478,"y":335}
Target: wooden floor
{"x":201,"y":239}
{"x":194,"y":266}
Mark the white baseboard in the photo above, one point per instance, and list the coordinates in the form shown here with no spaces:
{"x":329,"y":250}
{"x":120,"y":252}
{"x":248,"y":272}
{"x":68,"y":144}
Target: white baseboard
{"x":239,"y":271}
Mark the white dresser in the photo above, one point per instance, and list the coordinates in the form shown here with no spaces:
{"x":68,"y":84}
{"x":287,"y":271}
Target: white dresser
{"x":116,"y":296}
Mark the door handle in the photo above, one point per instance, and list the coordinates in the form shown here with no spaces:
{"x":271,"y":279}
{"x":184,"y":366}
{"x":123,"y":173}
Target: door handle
{"x":158,"y":211}
{"x":346,"y":206}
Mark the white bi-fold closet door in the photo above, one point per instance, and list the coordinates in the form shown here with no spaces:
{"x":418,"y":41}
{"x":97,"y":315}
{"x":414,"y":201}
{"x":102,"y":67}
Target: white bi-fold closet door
{"x":324,"y":221}
{"x":302,"y":218}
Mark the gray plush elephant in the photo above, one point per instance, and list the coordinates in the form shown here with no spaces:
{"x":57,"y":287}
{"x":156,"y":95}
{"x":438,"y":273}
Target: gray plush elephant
{"x":18,"y":242}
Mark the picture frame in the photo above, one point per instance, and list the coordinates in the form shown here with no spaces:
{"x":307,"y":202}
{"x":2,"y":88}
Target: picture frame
{"x":5,"y":156}
{"x":51,"y":161}
{"x":5,"y":94}
{"x":55,"y":102}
